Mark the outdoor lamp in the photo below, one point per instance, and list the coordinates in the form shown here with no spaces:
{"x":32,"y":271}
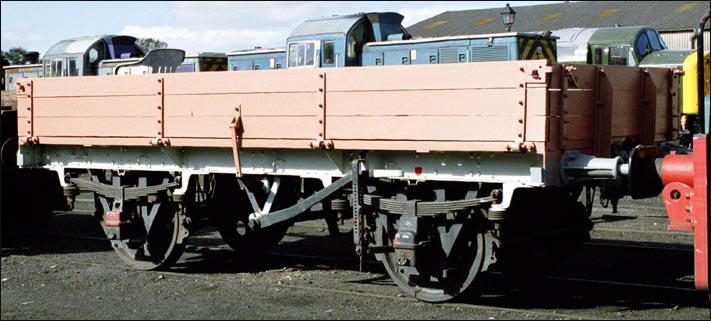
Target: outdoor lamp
{"x":508,"y":17}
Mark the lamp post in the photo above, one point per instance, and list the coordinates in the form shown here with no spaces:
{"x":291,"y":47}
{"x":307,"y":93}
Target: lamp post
{"x":508,"y":17}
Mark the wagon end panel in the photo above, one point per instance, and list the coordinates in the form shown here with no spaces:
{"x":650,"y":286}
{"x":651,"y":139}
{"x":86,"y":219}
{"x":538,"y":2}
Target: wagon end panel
{"x":598,"y":106}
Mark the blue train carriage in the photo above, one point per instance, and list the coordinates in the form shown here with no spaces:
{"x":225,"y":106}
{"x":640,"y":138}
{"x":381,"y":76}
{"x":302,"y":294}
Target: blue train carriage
{"x":460,"y":49}
{"x":203,"y":61}
{"x":256,"y":59}
{"x":83,"y":56}
{"x":338,"y":41}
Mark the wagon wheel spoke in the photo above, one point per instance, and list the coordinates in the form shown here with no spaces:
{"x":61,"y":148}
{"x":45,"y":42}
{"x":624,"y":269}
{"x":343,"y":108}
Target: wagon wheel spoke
{"x":231,"y":213}
{"x":151,"y":242}
{"x":447,"y":263}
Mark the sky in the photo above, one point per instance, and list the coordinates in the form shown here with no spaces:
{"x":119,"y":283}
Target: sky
{"x":197,"y":26}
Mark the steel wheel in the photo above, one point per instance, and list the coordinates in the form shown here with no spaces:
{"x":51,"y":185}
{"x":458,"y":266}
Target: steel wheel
{"x":437,"y":276}
{"x":157,"y":249}
{"x":246,"y":242}
{"x":230,"y":209}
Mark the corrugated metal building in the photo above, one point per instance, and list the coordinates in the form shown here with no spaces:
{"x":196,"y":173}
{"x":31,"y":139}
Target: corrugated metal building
{"x":675,"y":20}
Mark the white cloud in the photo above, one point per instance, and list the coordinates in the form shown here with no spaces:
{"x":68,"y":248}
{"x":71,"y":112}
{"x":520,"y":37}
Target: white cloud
{"x":224,"y":26}
{"x":215,"y":40}
{"x":220,"y":26}
{"x":22,"y":36}
{"x":229,"y":26}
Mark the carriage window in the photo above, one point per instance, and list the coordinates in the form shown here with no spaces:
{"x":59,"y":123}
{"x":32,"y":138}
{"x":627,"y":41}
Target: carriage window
{"x":618,"y":56}
{"x":302,"y":54}
{"x":309,"y":54}
{"x":598,"y":56}
{"x":293,"y":53}
{"x":56,"y":68}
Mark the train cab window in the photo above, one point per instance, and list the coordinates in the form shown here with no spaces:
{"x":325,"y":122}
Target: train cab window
{"x":655,"y":40}
{"x":355,"y":39}
{"x":328,"y":52}
{"x":643,"y":45}
{"x":93,"y":55}
{"x":302,"y":54}
{"x":97,"y":53}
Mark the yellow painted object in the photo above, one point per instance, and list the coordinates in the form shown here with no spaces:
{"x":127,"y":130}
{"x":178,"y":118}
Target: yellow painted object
{"x":690,"y":103}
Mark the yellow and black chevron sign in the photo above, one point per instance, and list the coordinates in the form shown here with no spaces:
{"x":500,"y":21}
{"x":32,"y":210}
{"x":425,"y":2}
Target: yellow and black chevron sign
{"x":537,"y":48}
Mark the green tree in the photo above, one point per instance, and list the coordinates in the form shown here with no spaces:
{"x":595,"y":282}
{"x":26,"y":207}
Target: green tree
{"x":147,"y":44}
{"x":15,"y":55}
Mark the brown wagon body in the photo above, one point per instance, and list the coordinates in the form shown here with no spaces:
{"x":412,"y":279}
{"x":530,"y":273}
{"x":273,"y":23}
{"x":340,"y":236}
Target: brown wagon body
{"x":426,"y":158}
{"x":518,"y":106}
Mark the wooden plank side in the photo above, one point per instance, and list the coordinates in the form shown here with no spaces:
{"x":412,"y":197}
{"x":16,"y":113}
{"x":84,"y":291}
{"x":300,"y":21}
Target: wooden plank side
{"x":579,"y":127}
{"x":428,"y":103}
{"x":108,"y":127}
{"x":124,"y":85}
{"x":254,"y":127}
{"x":444,"y":107}
{"x":252,"y":81}
{"x":537,"y":111}
{"x":24,"y":113}
{"x":626,"y":126}
{"x":498,"y":101}
{"x":667,"y":120}
{"x":414,"y":127}
{"x":484,"y":75}
{"x":257,"y":104}
{"x":421,"y":146}
{"x":286,"y":104}
{"x":579,"y":102}
{"x":106,"y":106}
{"x":96,"y":141}
{"x":626,"y":114}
